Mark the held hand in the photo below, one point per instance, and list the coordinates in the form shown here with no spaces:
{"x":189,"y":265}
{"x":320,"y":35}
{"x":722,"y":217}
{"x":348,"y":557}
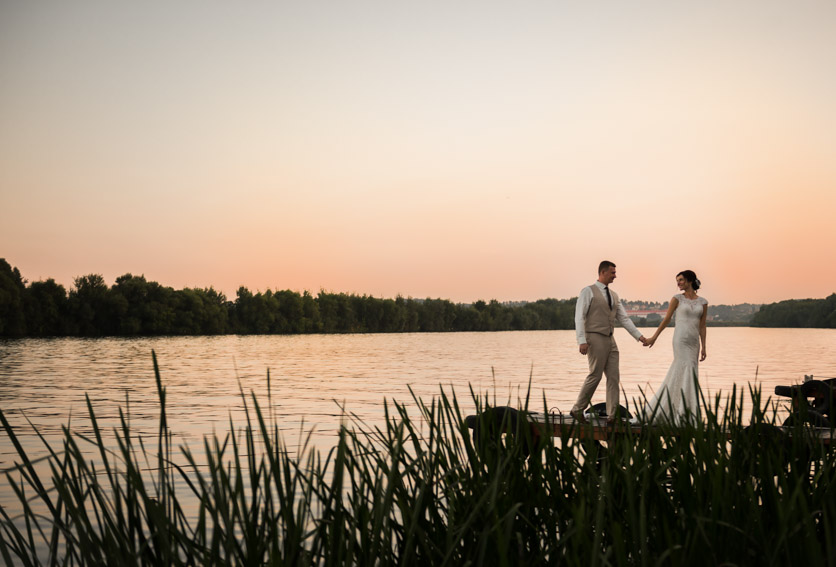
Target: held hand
{"x":643,"y":340}
{"x":584,"y":348}
{"x":650,"y":342}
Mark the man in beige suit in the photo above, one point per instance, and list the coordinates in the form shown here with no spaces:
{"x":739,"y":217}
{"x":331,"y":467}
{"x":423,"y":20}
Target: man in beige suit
{"x":597,"y":310}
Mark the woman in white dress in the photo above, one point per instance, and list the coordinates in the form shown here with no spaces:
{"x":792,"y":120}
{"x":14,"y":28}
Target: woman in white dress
{"x":678,"y":396}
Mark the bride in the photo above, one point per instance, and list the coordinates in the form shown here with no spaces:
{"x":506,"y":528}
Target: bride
{"x":678,"y":396}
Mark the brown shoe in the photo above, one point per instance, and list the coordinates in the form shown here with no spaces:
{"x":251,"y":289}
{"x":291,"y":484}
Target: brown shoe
{"x":579,"y":417}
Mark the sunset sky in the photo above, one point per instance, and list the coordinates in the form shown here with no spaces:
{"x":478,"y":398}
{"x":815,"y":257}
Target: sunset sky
{"x":462,"y":150}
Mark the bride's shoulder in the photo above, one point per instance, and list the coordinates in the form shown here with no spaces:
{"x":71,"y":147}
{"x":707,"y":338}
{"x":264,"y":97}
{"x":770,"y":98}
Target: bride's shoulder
{"x":702,"y":300}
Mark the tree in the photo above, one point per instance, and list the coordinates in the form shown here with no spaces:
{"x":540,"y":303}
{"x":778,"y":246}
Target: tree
{"x":131,"y":299}
{"x":311,"y":321}
{"x":214,"y":317}
{"x":141,"y":307}
{"x":89,"y":306}
{"x":12,"y":319}
{"x":291,"y":312}
{"x":653,"y":319}
{"x":46,"y":309}
{"x":798,"y":313}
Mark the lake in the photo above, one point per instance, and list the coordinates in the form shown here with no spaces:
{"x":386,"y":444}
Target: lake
{"x":315,"y":380}
{"x":313,"y":377}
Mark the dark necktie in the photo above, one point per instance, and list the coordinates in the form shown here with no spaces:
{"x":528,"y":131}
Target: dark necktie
{"x":609,"y":297}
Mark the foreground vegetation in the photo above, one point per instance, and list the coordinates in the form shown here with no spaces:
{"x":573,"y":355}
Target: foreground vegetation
{"x":415,"y":491}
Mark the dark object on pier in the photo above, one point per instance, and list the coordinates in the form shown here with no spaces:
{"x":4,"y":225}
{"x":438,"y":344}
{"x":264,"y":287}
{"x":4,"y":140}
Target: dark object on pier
{"x":810,"y":417}
{"x":499,"y":428}
{"x":812,"y":401}
{"x":600,"y":410}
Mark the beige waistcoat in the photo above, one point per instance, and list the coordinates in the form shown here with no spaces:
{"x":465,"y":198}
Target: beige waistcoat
{"x":600,"y":318}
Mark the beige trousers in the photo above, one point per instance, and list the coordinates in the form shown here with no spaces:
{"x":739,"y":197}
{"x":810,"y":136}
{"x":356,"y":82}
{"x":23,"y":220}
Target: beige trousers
{"x":603,"y":359}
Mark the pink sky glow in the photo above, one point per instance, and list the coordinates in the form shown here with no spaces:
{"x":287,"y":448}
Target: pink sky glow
{"x":456,"y":150}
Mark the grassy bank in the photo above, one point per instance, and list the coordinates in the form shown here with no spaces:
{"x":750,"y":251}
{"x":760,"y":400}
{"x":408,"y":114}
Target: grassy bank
{"x":415,"y":492}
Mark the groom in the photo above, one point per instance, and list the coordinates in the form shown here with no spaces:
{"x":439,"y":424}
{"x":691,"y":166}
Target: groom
{"x":597,"y":309}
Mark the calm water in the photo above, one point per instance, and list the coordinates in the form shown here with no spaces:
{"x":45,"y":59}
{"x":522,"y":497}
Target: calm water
{"x":314,"y":377}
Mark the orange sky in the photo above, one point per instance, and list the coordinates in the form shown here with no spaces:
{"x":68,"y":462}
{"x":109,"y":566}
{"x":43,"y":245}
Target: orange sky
{"x":476,"y":151}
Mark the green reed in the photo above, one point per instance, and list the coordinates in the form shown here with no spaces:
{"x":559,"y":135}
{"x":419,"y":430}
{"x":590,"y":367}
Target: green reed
{"x":415,"y":490}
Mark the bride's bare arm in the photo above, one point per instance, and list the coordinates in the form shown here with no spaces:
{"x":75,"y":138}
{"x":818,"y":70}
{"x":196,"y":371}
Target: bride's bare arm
{"x":665,"y":322}
{"x":703,"y":330}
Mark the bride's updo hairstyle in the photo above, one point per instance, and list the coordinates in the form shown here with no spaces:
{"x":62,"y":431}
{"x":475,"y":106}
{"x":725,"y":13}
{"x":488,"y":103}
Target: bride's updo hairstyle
{"x":691,"y":277}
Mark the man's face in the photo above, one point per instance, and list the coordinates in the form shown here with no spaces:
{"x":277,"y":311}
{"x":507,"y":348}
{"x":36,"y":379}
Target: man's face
{"x":607,"y":276}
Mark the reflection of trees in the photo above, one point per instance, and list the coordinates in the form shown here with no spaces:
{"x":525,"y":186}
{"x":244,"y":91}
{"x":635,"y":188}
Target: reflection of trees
{"x":134,"y":306}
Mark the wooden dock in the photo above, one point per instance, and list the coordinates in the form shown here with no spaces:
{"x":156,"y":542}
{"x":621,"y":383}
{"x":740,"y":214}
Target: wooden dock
{"x":564,"y":425}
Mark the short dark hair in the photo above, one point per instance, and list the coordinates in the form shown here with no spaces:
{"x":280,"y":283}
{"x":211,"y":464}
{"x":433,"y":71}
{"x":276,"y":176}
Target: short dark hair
{"x":605,"y":265}
{"x":691,"y":277}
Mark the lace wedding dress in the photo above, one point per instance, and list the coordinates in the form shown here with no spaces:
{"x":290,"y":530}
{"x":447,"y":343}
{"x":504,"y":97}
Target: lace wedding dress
{"x":678,"y":396}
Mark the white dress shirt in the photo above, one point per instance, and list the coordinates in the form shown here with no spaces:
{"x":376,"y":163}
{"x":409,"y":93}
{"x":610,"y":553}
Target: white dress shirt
{"x":581,"y":308}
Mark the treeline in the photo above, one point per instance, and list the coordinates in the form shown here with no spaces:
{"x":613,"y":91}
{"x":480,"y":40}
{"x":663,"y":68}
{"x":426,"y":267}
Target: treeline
{"x":740,"y":313}
{"x":133,"y":306}
{"x":816,"y":313}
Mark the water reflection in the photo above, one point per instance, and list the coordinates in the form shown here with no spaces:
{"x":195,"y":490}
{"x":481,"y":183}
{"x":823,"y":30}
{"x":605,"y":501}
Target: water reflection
{"x":312,"y":377}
